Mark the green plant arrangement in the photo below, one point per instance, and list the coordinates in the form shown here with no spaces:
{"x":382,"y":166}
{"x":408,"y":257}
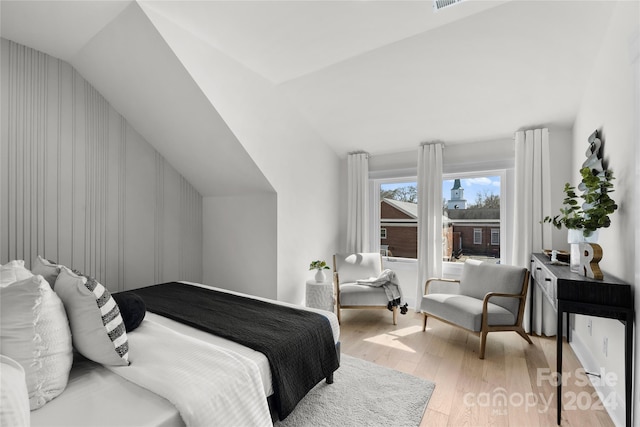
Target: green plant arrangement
{"x":318,"y":265}
{"x":598,"y":205}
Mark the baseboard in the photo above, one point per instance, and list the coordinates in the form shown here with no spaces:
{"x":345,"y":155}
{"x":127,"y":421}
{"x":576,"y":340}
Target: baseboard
{"x":587,"y":361}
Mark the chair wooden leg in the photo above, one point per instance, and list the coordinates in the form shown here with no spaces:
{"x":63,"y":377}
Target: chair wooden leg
{"x":338,"y":313}
{"x":395,"y":315}
{"x":483,"y":343}
{"x":424,"y":322}
{"x":524,"y":335}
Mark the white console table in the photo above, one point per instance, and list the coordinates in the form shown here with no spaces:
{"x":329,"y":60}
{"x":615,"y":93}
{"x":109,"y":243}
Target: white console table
{"x":319,"y":295}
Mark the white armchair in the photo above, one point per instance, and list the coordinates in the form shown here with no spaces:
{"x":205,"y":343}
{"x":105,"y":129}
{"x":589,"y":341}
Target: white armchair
{"x":487,"y":298}
{"x":347,"y":270}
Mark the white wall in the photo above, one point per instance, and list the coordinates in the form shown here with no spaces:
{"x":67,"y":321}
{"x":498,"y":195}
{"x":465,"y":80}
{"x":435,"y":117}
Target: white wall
{"x":80,"y":186}
{"x":240,"y":241}
{"x":299,"y":165}
{"x":610,"y":104}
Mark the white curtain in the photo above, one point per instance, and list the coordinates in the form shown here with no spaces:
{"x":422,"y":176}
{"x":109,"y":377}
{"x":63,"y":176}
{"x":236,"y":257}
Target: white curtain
{"x":358,"y":202}
{"x":429,"y":215}
{"x":532,"y":204}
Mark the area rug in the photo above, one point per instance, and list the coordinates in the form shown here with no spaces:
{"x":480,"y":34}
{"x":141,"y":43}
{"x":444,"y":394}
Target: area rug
{"x":363,"y":394}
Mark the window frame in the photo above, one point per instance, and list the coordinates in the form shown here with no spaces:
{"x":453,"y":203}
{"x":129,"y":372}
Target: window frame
{"x":455,"y":268}
{"x":476,"y":232}
{"x":449,"y":268}
{"x":495,"y":231}
{"x":397,"y":177}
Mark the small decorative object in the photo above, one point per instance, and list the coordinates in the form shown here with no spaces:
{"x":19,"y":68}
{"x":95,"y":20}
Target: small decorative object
{"x":583,"y":220}
{"x":319,"y":266}
{"x":590,"y":256}
{"x":561,"y":257}
{"x":575,"y":238}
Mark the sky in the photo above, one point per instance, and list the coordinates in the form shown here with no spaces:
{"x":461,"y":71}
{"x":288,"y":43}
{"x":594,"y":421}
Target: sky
{"x":471,"y":186}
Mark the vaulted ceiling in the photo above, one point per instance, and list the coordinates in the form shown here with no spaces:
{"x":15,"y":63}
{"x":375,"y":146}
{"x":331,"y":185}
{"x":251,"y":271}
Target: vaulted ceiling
{"x":380,"y":76}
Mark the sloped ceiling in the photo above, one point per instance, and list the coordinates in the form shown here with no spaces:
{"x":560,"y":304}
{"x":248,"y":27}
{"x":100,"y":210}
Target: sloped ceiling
{"x":381,"y":76}
{"x":129,"y":62}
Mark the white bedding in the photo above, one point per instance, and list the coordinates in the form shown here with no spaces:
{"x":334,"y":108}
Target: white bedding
{"x":96,"y":396}
{"x":209,"y":385}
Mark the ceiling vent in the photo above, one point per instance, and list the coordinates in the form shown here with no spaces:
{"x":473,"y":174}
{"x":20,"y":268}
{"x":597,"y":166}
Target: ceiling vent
{"x":441,"y":4}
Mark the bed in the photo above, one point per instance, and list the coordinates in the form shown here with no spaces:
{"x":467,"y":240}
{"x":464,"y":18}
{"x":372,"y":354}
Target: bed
{"x":176,"y":374}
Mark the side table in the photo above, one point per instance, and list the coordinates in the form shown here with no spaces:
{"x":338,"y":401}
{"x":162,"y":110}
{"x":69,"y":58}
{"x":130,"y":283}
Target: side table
{"x":319,"y":295}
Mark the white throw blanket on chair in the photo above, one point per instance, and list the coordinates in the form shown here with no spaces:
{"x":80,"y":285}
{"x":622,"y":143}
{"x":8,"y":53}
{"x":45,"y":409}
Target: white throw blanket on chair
{"x":388,"y":280}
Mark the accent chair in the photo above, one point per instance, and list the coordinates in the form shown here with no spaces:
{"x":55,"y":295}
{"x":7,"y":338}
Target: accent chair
{"x":488,"y":298}
{"x":347,"y":270}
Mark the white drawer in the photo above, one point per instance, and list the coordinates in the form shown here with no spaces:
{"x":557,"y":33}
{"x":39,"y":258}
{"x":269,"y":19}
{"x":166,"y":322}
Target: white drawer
{"x":546,"y":282}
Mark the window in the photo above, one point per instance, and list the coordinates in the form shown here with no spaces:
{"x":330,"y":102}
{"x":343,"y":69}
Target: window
{"x":398,"y":216}
{"x":477,"y":236}
{"x":471,"y":207}
{"x":495,"y":236}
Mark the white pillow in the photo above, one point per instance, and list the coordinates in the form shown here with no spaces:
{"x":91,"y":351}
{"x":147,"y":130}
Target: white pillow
{"x":13,"y":271}
{"x":97,"y":328}
{"x":34,"y":331}
{"x":14,"y":410}
{"x":353,"y":267}
{"x":47,"y":269}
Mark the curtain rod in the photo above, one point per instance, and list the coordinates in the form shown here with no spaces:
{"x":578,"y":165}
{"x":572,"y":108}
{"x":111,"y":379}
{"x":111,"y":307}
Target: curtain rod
{"x":432,"y":143}
{"x":359,"y":152}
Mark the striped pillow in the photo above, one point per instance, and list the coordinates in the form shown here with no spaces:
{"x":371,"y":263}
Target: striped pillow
{"x":97,"y":328}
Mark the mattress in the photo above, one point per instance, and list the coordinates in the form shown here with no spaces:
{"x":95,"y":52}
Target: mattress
{"x":95,"y":396}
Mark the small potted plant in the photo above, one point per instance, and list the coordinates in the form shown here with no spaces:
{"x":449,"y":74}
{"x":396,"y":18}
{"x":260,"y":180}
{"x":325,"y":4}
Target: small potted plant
{"x":319,"y":266}
{"x":584,"y":220}
{"x":594,"y":213}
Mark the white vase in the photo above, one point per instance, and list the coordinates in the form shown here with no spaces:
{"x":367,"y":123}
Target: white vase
{"x":574,"y":238}
{"x":320,"y":276}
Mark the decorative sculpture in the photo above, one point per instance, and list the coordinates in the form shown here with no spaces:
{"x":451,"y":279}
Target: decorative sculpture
{"x":594,"y":157}
{"x":590,"y":256}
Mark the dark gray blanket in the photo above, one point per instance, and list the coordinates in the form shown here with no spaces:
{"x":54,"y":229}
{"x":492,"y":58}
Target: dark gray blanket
{"x":298,"y":344}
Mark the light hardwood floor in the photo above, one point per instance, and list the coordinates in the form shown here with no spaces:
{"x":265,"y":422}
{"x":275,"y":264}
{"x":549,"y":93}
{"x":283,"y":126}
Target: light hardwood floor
{"x":469,"y":391}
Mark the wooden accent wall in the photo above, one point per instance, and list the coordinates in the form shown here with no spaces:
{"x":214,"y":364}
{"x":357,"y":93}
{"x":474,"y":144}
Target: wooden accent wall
{"x":80,"y":186}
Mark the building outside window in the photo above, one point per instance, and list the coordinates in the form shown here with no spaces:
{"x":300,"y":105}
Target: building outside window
{"x":383,"y":233}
